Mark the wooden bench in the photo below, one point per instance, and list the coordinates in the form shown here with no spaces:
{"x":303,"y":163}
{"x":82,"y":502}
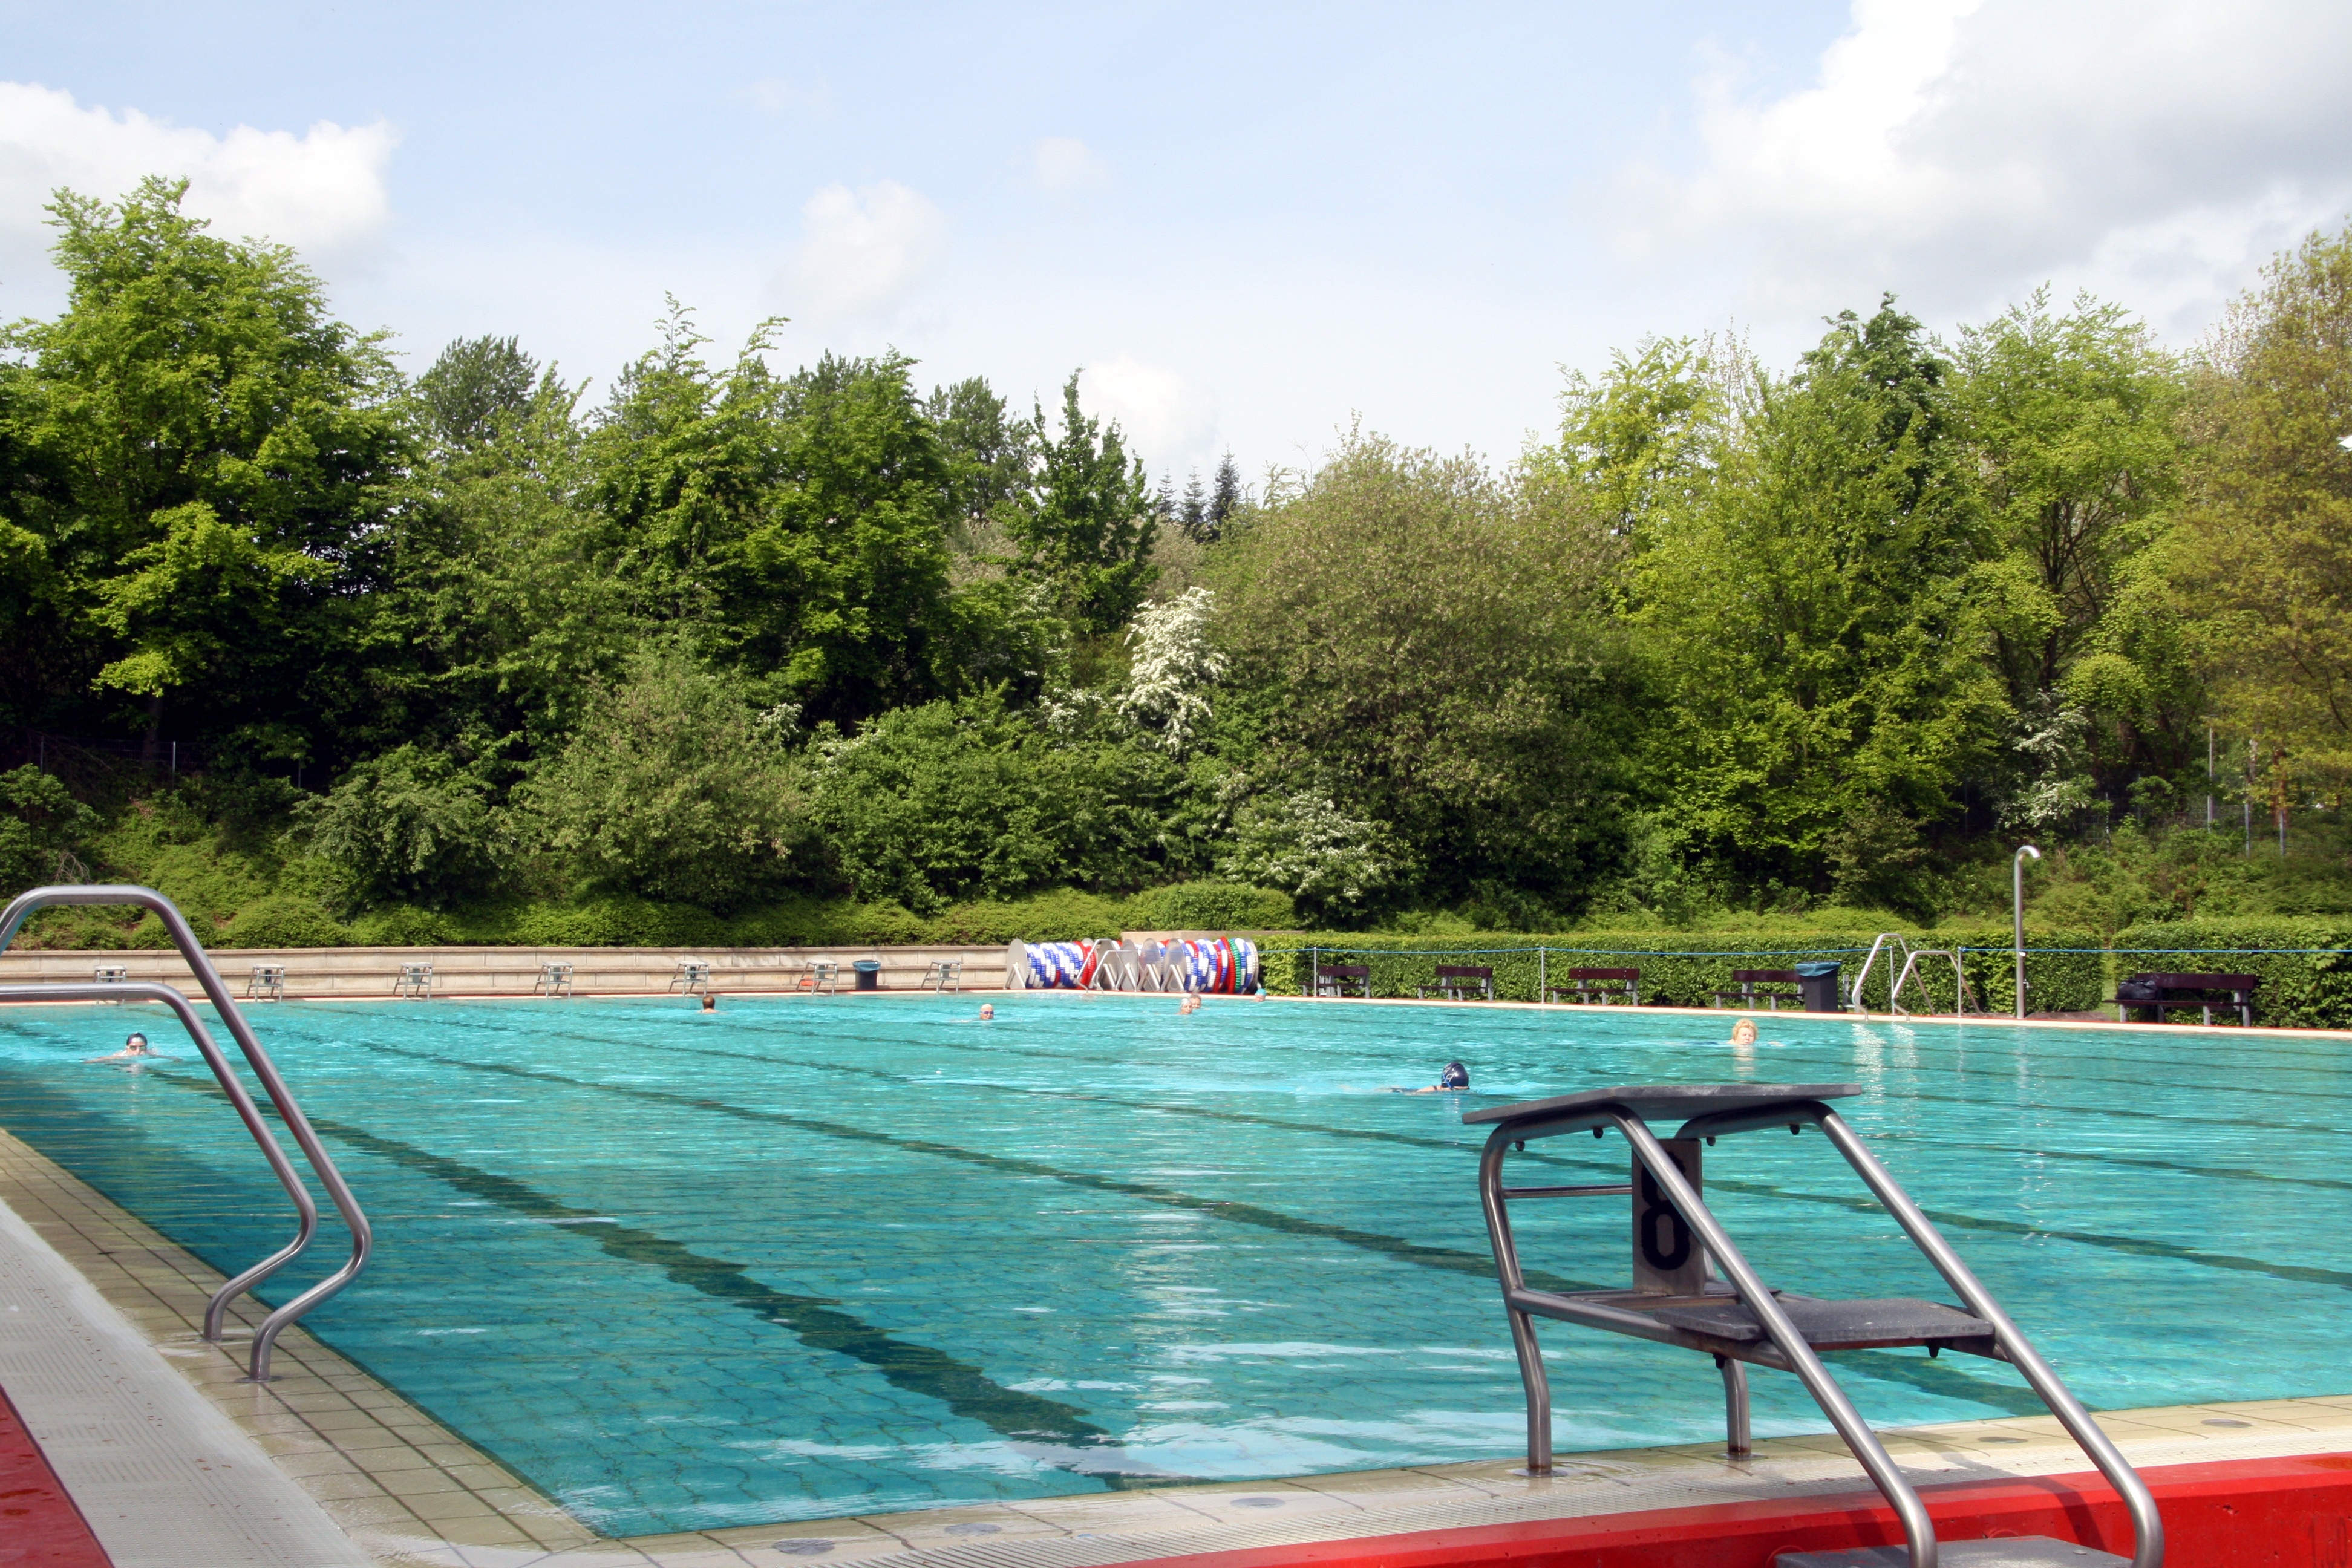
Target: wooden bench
{"x":1333,"y":979}
{"x":1453,"y":980}
{"x":1600,"y":986}
{"x":1747,"y":995}
{"x":2167,"y":989}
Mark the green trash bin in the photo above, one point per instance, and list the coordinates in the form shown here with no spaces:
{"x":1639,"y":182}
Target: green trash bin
{"x":1817,"y":983}
{"x":869,"y":973}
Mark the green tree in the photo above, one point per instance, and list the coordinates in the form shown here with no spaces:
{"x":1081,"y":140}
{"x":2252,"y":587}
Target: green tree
{"x":838,"y":592}
{"x":2073,"y":418}
{"x":1422,"y":644}
{"x":41,"y":827}
{"x":671,"y":788}
{"x":1088,"y":524}
{"x":962,"y":800}
{"x":207,"y":457}
{"x":475,"y":384}
{"x":411,"y":826}
{"x":1812,"y":637}
{"x":2262,"y":562}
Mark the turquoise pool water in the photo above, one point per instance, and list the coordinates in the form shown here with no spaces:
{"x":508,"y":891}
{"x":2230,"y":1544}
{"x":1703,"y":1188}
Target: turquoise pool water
{"x":812,"y":1256}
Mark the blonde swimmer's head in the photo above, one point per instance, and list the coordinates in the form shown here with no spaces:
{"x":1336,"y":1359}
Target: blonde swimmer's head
{"x":1743,"y":1033}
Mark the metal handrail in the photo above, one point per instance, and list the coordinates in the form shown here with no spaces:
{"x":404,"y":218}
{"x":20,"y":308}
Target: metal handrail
{"x":291,"y":1114}
{"x":1961,"y":989}
{"x":1786,"y":1347}
{"x":1855,"y":1000}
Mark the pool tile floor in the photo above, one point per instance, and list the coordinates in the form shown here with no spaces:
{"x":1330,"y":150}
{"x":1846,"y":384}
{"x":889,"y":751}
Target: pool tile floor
{"x":406,"y":1491}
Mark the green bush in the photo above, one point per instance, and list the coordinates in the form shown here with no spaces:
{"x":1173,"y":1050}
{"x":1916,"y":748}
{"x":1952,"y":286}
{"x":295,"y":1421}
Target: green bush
{"x":1211,"y":906}
{"x":279,"y":921}
{"x":2299,"y":988}
{"x":1685,"y":971}
{"x":412,"y":825}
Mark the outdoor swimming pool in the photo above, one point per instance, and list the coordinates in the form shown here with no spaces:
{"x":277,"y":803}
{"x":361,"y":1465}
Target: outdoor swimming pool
{"x":811,"y":1256}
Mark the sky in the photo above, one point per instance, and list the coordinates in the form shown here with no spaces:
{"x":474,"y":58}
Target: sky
{"x":1248,"y":227}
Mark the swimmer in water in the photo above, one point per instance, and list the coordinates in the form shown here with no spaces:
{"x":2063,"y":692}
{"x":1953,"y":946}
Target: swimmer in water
{"x":1455,"y":1077}
{"x":1192,"y":1003}
{"x":134,"y":1050}
{"x":1743,"y":1033}
{"x":987,"y":1011}
{"x":710,"y":1002}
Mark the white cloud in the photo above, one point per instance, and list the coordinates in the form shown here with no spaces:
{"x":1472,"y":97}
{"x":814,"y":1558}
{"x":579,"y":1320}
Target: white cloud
{"x":1065,"y":166}
{"x":322,"y":192}
{"x":1169,"y":421}
{"x":864,"y":251}
{"x":1961,"y":150}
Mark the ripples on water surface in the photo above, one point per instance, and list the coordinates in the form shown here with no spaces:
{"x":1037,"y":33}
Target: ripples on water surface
{"x":811,"y":1256}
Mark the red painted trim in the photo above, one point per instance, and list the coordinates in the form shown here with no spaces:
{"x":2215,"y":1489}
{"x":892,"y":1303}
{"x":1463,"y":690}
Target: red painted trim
{"x":39,"y":1524}
{"x":2242,"y":1513}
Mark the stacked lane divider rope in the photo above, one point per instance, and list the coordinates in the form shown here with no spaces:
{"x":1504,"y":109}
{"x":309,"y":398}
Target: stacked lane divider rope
{"x":1215,"y":966}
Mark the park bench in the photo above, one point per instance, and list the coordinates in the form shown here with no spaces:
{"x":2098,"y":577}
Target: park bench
{"x":554,"y":980}
{"x":1600,"y":986}
{"x":414,"y":980}
{"x":693,"y":975}
{"x":944,"y":974}
{"x":2162,"y":993}
{"x":1746,"y":994}
{"x":1333,"y":979}
{"x":269,"y":981}
{"x":1454,"y":980}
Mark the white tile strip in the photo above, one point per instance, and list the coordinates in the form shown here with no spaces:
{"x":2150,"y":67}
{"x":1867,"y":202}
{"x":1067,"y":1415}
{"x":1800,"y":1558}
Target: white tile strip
{"x":165,"y":1480}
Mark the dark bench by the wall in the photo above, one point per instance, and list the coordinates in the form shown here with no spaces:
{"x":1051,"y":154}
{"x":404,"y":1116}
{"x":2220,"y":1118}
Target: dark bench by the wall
{"x":2161,"y":994}
{"x":1747,"y":995}
{"x":1455,"y":979}
{"x":1333,"y":979}
{"x":1598,"y":985}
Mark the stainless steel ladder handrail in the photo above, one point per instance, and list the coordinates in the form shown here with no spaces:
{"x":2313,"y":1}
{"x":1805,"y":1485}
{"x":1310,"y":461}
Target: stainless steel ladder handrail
{"x":1785,"y":1347}
{"x":1855,"y":999}
{"x":1961,"y":989}
{"x":291,"y":1114}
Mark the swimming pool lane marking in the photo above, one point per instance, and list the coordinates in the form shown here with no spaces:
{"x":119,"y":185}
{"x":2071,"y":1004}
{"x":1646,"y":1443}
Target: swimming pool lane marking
{"x":1928,"y":1376}
{"x":1940,"y":1379}
{"x":1434,"y":1257}
{"x":816,"y":1321}
{"x":1413,"y":1140}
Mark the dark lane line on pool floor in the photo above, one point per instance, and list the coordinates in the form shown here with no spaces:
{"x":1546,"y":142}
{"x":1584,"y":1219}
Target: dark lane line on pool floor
{"x":1412,"y":1140}
{"x":817,"y":1322}
{"x":1930,"y":1376}
{"x":1446,"y":1258}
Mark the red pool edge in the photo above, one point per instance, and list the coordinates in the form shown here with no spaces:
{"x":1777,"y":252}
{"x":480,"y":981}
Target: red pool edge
{"x":39,"y":1522}
{"x":2240,"y":1514}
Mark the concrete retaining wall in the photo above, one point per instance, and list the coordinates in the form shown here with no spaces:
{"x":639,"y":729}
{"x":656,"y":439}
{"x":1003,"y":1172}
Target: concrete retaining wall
{"x":365,"y":972}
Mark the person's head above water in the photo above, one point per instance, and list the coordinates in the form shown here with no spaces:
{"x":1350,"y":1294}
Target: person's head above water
{"x":1743,"y":1033}
{"x":710,"y":1002}
{"x":988,"y":1009}
{"x":136,"y":1046}
{"x":1455,"y":1076}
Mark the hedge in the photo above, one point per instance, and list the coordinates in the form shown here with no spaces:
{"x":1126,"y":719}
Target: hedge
{"x":2306,"y":972}
{"x":1685,"y":971}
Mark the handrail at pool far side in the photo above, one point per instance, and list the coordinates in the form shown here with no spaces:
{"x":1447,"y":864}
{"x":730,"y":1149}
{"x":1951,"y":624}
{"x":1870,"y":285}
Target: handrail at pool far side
{"x":217,"y":990}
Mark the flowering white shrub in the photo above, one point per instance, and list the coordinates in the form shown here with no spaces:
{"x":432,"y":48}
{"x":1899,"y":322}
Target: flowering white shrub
{"x":1175,"y":665}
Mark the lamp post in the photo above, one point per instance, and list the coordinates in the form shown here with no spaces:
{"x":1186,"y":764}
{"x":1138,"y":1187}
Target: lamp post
{"x":2017,"y":890}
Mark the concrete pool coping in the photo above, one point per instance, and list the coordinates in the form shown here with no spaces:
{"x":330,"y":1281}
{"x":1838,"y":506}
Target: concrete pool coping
{"x":180,"y":1463}
{"x":994,"y":996}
